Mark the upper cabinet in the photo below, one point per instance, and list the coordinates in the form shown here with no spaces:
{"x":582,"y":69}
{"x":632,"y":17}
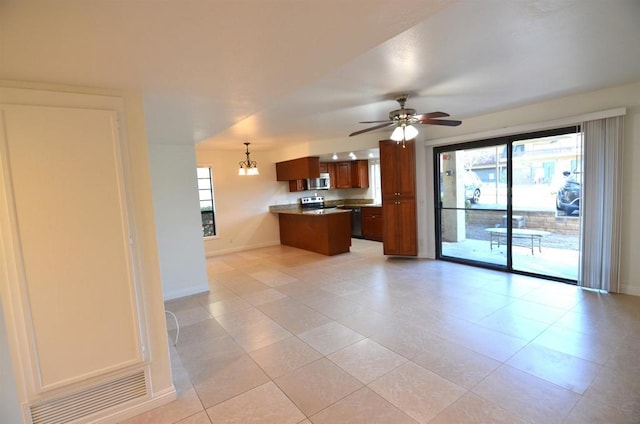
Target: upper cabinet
{"x":353,"y":174}
{"x":297,"y":185}
{"x":397,"y":169}
{"x":298,"y":169}
{"x":360,"y":174}
{"x":343,"y":175}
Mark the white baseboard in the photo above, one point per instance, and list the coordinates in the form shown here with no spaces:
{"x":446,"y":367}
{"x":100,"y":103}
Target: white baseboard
{"x":221,"y":252}
{"x":188,"y":291}
{"x":160,"y":398}
{"x":629,"y":289}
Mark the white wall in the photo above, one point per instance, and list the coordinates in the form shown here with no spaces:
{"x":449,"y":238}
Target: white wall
{"x":148,"y":248}
{"x":178,"y":222}
{"x":541,"y":116}
{"x":243,"y":220}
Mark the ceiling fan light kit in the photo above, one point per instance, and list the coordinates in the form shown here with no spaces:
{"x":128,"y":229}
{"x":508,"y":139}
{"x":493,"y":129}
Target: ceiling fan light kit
{"x":403,"y":133}
{"x":404,"y":119}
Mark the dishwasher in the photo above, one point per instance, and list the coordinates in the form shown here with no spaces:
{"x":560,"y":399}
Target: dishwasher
{"x":356,"y":222}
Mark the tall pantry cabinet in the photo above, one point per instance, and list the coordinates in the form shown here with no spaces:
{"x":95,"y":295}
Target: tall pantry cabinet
{"x":398,"y":174}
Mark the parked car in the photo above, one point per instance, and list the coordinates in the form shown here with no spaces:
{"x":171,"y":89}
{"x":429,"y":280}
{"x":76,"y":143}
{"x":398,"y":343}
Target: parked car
{"x":472,"y":184}
{"x":568,"y":196}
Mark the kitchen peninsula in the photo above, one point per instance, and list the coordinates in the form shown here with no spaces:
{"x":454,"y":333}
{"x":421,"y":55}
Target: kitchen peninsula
{"x":325,"y":231}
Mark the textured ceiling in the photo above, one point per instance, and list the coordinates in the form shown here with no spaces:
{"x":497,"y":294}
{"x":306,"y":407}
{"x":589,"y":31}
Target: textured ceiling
{"x":283,"y":71}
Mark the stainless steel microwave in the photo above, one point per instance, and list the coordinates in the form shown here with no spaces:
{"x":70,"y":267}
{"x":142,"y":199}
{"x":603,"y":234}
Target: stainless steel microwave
{"x":322,"y":183}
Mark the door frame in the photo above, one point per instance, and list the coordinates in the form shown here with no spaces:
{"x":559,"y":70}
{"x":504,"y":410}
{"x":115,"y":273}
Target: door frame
{"x":508,"y":141}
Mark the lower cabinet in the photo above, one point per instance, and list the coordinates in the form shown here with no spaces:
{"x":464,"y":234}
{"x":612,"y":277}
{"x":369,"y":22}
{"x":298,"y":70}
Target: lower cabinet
{"x":325,"y":233}
{"x":399,"y":232}
{"x":372,"y":222}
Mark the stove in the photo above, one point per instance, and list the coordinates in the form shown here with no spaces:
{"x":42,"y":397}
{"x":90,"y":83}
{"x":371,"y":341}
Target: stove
{"x":312,"y":202}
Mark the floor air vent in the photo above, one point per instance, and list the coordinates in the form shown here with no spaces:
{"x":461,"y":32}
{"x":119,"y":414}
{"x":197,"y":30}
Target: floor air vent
{"x":90,"y":401}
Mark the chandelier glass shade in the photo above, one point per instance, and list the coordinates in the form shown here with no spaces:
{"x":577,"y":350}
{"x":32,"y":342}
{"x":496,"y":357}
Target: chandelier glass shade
{"x":248,"y":166}
{"x":404,"y":132}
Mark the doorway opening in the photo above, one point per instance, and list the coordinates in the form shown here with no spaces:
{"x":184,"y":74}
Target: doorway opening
{"x":512,"y":203}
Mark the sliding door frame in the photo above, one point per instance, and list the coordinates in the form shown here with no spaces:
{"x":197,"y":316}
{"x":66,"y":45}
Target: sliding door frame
{"x":508,"y":141}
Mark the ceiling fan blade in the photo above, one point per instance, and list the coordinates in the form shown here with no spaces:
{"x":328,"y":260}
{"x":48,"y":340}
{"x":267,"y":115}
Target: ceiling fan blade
{"x":430,"y":115}
{"x":447,"y":122}
{"x":386,"y":124}
{"x":375,"y":122}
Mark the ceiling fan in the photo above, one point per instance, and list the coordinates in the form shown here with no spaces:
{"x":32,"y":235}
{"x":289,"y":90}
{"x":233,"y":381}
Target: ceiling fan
{"x":404,"y":119}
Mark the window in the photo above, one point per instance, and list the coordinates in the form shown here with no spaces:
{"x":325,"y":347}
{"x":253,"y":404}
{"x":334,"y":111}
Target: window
{"x":374,"y":174}
{"x":207,"y":204}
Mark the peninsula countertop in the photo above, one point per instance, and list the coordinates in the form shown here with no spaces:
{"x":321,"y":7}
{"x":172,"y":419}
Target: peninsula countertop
{"x":342,"y":205}
{"x":296,"y":210}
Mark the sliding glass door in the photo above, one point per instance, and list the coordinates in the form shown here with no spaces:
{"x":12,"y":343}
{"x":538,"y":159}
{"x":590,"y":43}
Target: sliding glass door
{"x":512,"y":203}
{"x":473,"y":199}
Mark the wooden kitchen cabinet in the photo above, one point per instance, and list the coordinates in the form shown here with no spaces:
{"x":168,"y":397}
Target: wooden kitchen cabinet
{"x":360,"y":174}
{"x":297,"y":185}
{"x":372,"y":223}
{"x":399,"y":235}
{"x":343,"y":175}
{"x":298,"y":169}
{"x":331,"y":169}
{"x":397,"y":174}
{"x":352,"y":174}
{"x":397,"y":169}
{"x":325,"y":233}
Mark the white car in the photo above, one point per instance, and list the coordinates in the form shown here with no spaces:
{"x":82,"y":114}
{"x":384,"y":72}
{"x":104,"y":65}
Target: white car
{"x":472,"y":185}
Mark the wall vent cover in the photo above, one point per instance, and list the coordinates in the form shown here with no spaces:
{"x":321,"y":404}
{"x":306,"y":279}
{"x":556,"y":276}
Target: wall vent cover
{"x":96,"y":399}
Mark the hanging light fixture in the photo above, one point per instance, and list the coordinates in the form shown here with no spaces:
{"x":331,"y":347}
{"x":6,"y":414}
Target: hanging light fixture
{"x":404,"y":132}
{"x":248,"y":166}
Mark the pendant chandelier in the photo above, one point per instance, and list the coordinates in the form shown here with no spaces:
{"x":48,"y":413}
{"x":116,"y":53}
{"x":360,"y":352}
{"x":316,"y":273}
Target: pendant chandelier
{"x":248,"y":166}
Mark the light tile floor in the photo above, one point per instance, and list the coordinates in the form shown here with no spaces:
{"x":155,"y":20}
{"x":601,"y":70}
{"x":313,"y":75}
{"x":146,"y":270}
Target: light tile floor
{"x":290,"y":336}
